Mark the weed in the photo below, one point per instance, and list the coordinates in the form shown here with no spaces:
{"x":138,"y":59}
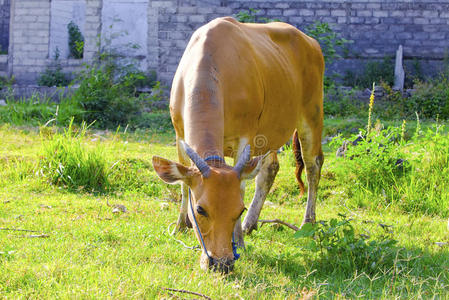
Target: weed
{"x":68,"y":162}
{"x":338,"y":246}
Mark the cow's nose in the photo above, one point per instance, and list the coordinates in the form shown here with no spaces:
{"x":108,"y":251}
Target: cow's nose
{"x":223,"y":265}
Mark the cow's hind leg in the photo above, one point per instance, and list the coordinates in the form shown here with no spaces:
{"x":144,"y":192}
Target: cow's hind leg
{"x":310,"y":155}
{"x":264,"y":181}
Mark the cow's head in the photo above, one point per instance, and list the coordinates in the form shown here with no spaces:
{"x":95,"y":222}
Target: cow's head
{"x":216,"y":200}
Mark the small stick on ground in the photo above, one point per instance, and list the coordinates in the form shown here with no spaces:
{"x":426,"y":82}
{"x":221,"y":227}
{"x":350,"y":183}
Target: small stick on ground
{"x":277,"y":221}
{"x":187,"y":292}
{"x":43,"y":235}
{"x":18,"y":229}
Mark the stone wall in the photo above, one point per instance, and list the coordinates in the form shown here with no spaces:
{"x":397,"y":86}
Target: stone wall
{"x":163,"y":28}
{"x":4,"y":25}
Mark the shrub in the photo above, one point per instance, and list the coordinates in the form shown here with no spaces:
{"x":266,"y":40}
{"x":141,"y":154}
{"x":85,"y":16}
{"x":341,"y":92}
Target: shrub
{"x":331,"y":44}
{"x":431,"y":99}
{"x":382,"y":168}
{"x":53,"y":76}
{"x":66,"y":161}
{"x":76,"y":41}
{"x":250,"y":16}
{"x":373,"y":71}
{"x":105,"y":101}
{"x":338,"y":246}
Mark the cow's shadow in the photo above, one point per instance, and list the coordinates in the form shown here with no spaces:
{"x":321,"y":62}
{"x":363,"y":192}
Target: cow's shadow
{"x":312,"y":272}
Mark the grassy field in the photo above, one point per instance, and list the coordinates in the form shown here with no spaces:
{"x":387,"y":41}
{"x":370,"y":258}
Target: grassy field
{"x":79,"y":248}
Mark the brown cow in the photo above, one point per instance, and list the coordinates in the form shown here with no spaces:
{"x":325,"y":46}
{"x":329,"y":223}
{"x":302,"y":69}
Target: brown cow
{"x":240,"y":87}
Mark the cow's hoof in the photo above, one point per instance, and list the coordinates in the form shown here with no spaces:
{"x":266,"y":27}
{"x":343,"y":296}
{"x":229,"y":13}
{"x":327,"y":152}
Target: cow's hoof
{"x":305,"y":221}
{"x":248,"y":228}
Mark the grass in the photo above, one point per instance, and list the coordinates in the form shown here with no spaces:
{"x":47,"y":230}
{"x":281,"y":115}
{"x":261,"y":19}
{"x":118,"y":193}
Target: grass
{"x":91,"y":252}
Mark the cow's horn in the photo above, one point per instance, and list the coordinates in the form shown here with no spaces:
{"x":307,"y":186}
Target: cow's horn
{"x":244,"y":157}
{"x":197,"y":160}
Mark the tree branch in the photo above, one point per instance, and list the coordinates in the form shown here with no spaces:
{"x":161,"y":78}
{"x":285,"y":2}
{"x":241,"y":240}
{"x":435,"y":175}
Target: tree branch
{"x":277,"y":221}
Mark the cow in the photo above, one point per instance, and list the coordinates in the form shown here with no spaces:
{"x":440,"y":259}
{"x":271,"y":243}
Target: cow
{"x":241,"y":91}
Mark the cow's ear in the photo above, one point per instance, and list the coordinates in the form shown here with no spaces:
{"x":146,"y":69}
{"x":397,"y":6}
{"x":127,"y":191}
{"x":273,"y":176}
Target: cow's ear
{"x":172,"y":172}
{"x":252,"y":168}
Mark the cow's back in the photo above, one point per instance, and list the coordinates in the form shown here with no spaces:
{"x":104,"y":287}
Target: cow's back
{"x":256,"y":80}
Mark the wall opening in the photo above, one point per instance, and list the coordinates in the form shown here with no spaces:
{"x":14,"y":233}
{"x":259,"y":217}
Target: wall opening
{"x":5,"y":8}
{"x":63,"y":13}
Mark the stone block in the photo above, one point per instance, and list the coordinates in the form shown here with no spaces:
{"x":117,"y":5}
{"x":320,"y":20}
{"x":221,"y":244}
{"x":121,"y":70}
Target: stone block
{"x":291,"y":12}
{"x":338,"y":13}
{"x":430,"y":14}
{"x":274,"y":12}
{"x":306,"y":12}
{"x":282,"y":5}
{"x":356,"y":20}
{"x":380,"y":13}
{"x":197,"y":19}
{"x":431,"y":28}
{"x":421,"y":21}
{"x":364,"y":13}
{"x":437,"y":35}
{"x":322,"y":12}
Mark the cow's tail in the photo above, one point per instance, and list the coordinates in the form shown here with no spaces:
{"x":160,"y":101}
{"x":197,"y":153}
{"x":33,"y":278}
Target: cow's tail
{"x":299,"y":162}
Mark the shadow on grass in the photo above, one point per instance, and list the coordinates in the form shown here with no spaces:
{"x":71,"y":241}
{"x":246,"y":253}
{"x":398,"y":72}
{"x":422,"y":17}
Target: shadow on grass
{"x":411,"y":272}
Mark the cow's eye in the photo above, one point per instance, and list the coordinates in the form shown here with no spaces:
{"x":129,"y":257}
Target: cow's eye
{"x":201,"y":211}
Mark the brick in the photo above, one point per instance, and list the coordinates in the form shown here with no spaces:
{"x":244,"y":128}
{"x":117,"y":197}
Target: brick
{"x":364,"y":13}
{"x":397,"y":13}
{"x":291,"y":12}
{"x":197,"y":19}
{"x":444,"y":14}
{"x":356,"y":20}
{"x":274,"y":12}
{"x":373,"y":5}
{"x":430,"y":14}
{"x":338,"y":13}
{"x":282,"y":5}
{"x":420,"y":21}
{"x":438,"y":36}
{"x":403,"y":35}
{"x":186,"y":10}
{"x":342,"y":20}
{"x":430,"y":28}
{"x":380,"y":13}
{"x":322,"y":12}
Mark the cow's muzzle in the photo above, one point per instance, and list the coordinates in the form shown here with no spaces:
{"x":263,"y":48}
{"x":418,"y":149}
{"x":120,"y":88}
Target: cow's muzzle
{"x":222,"y":265}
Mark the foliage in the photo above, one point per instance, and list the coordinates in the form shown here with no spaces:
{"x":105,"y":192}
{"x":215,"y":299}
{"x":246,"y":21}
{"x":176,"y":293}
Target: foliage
{"x":76,"y":41}
{"x":53,"y":76}
{"x":373,"y":71}
{"x":431,"y":98}
{"x":382,"y":168}
{"x":67,"y":162}
{"x":107,"y":102}
{"x":341,"y":103}
{"x":250,"y":16}
{"x":339,"y":247}
{"x":331,"y":42}
{"x":6,"y":82}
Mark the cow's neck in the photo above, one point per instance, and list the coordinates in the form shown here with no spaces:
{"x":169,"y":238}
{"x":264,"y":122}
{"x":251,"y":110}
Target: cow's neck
{"x":203,"y":119}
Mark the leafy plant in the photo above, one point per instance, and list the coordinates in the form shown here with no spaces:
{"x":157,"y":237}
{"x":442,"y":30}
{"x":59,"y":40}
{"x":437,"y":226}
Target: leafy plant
{"x":339,"y":247}
{"x":331,"y":42}
{"x":76,"y":41}
{"x":373,"y":71}
{"x":53,"y":76}
{"x":250,"y":16}
{"x":431,"y":99}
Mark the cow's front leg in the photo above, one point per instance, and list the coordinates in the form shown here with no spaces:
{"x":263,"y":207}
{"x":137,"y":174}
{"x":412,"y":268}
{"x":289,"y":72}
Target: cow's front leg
{"x":264,"y":181}
{"x":183,"y":219}
{"x":238,"y":233}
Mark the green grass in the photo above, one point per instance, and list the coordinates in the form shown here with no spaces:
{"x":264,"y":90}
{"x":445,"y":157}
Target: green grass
{"x":92,"y":253}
